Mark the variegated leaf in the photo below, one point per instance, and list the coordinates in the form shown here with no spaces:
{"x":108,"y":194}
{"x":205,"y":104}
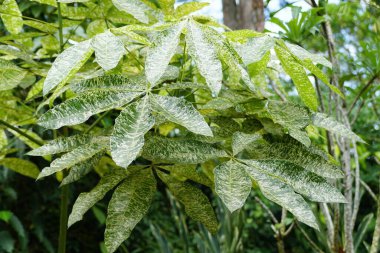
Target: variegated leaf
{"x":232,"y":184}
{"x":110,"y":83}
{"x":196,"y":203}
{"x":187,"y":171}
{"x":60,"y":145}
{"x":241,"y":140}
{"x":80,"y":170}
{"x":67,"y":64}
{"x":304,"y":54}
{"x":182,"y":112}
{"x":11,"y":16}
{"x":188,"y":8}
{"x":180,"y":151}
{"x":300,"y":155}
{"x":301,"y":81}
{"x":136,"y":8}
{"x":330,"y":124}
{"x":10,"y":75}
{"x":282,"y":194}
{"x":75,"y":156}
{"x":77,"y":110}
{"x":305,"y":182}
{"x":129,"y":203}
{"x":254,"y":49}
{"x":86,"y":200}
{"x":128,"y":135}
{"x":204,"y":54}
{"x":159,"y":55}
{"x":109,"y":49}
{"x":21,"y":166}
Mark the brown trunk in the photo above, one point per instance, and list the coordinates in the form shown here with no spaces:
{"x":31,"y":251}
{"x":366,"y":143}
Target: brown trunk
{"x":248,"y":14}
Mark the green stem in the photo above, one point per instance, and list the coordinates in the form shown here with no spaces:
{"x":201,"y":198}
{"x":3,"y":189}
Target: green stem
{"x":2,"y":122}
{"x":63,"y":219}
{"x":60,"y":27}
{"x":65,"y":189}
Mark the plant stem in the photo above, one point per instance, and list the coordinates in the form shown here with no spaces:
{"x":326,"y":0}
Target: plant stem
{"x":63,"y":219}
{"x":65,"y":189}
{"x":2,"y":122}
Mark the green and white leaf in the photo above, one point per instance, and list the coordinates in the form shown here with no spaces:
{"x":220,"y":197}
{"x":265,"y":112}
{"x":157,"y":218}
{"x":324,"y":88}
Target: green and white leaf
{"x":77,"y":110}
{"x":232,"y":184}
{"x":182,"y":112}
{"x":159,"y":55}
{"x":282,"y":194}
{"x":86,"y":200}
{"x":130,"y":127}
{"x":301,"y":81}
{"x":302,"y":156}
{"x":301,"y":136}
{"x":242,"y":140}
{"x":21,"y":166}
{"x":26,"y":140}
{"x":304,"y":55}
{"x":289,"y":115}
{"x":49,"y":2}
{"x":196,"y":203}
{"x":129,"y":204}
{"x":80,"y":170}
{"x":180,"y":151}
{"x":63,"y":144}
{"x":109,"y":49}
{"x":183,"y":172}
{"x":110,"y":83}
{"x":254,"y":49}
{"x":188,"y":8}
{"x":67,"y":64}
{"x":305,"y":182}
{"x":11,"y":16}
{"x":204,"y":54}
{"x":75,"y":156}
{"x":136,"y":8}
{"x":10,"y":75}
{"x":330,"y":124}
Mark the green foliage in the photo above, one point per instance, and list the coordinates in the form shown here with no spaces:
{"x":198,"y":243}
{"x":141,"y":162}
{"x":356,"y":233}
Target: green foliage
{"x":184,"y":105}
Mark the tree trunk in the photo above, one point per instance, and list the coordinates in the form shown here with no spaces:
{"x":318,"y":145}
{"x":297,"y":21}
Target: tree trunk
{"x":248,"y":14}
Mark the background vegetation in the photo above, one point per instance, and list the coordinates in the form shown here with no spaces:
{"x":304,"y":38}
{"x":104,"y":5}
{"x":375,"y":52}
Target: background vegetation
{"x":346,"y":33}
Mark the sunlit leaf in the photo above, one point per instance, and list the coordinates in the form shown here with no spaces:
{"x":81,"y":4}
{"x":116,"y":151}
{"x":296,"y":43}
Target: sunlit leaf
{"x":128,"y":135}
{"x":21,"y":166}
{"x":232,"y":184}
{"x":67,"y":64}
{"x":11,"y":16}
{"x":179,"y":111}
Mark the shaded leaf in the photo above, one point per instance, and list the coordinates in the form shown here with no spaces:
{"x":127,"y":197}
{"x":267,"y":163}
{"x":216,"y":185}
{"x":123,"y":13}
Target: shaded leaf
{"x":21,"y":166}
{"x":86,"y":200}
{"x":129,"y":204}
{"x":179,"y":151}
{"x":196,"y":203}
{"x":188,"y":171}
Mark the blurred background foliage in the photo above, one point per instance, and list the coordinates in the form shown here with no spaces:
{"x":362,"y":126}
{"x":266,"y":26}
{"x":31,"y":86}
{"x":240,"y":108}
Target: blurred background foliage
{"x":29,"y":211}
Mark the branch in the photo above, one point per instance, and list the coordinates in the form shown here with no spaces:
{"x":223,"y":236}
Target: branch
{"x":361,"y":92}
{"x":2,"y":122}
